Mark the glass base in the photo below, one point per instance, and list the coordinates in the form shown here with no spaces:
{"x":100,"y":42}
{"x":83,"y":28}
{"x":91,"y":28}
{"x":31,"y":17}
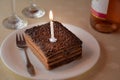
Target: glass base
{"x":33,"y":12}
{"x":14,"y":22}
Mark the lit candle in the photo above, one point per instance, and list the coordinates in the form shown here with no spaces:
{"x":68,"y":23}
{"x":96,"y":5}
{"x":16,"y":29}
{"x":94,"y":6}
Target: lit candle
{"x":52,"y":39}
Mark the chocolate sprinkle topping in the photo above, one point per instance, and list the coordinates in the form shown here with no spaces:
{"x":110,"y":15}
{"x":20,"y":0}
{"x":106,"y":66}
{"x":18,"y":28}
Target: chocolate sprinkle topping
{"x":65,"y":39}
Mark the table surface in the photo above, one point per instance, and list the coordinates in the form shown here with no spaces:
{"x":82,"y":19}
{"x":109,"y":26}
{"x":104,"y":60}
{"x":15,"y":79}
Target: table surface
{"x":75,"y":12}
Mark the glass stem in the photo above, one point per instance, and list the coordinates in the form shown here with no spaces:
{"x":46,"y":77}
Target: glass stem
{"x":32,"y":3}
{"x":13,"y":7}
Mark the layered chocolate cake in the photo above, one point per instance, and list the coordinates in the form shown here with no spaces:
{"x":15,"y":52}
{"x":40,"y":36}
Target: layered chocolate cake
{"x":66,"y":49}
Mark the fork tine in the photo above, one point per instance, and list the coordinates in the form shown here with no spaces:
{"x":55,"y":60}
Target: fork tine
{"x":20,"y":38}
{"x":17,"y":38}
{"x":23,"y":38}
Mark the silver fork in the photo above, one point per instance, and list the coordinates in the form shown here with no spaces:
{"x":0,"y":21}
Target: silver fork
{"x":21,"y":43}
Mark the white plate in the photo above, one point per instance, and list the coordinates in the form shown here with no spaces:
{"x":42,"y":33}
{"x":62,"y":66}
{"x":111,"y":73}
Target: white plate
{"x":14,"y":59}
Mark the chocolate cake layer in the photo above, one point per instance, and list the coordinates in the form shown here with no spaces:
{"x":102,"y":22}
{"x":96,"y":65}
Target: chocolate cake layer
{"x":53,"y":54}
{"x":59,"y":62}
{"x":65,"y":61}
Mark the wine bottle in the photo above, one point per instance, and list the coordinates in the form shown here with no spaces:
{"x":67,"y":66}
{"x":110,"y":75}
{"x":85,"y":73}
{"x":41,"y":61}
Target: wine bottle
{"x":105,"y":15}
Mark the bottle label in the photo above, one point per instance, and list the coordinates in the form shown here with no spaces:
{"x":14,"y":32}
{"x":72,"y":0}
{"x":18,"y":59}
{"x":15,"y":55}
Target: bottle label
{"x":99,"y":8}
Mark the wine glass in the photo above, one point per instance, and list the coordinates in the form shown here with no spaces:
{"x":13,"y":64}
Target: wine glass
{"x":33,"y":11}
{"x":14,"y":21}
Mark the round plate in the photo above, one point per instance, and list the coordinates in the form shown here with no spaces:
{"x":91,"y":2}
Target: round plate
{"x":14,"y":58}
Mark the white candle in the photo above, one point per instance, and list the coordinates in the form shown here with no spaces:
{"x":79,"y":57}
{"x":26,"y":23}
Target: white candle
{"x":52,"y":39}
{"x":52,"y":29}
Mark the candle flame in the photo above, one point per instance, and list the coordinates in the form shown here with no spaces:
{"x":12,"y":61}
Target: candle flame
{"x":51,"y":15}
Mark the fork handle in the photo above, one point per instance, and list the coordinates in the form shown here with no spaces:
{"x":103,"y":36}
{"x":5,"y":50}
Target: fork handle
{"x":27,"y":58}
{"x":30,"y":67}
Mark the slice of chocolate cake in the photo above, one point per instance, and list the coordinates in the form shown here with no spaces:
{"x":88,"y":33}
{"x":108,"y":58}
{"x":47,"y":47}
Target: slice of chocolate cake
{"x":67,"y":48}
